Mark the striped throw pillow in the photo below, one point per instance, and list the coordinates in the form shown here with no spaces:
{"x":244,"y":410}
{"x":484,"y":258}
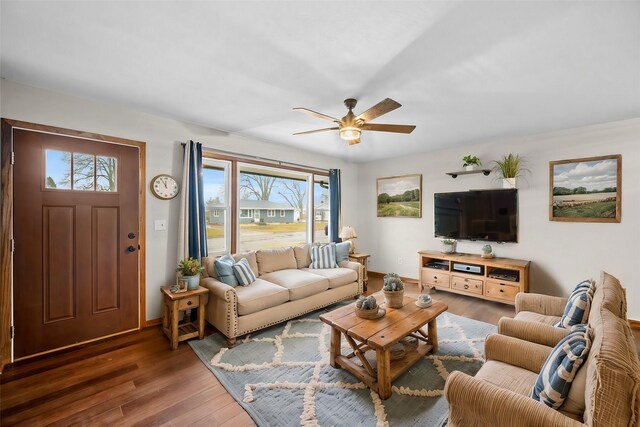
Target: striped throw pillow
{"x":323,"y":256}
{"x":578,"y":306}
{"x":554,"y":381}
{"x":243,"y":272}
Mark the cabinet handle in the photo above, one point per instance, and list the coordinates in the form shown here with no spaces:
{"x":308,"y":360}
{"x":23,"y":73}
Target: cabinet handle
{"x":191,"y":302}
{"x":466,"y":286}
{"x":435,"y":277}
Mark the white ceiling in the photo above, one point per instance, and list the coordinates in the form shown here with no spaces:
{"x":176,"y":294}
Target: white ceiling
{"x":465,"y":72}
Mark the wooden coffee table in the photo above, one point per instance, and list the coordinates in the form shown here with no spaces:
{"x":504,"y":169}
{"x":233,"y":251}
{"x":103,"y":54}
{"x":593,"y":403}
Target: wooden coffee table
{"x":371,"y":340}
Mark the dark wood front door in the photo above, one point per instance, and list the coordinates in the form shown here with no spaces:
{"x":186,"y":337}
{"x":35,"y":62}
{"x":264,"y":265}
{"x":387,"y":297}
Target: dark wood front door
{"x":76,"y":220}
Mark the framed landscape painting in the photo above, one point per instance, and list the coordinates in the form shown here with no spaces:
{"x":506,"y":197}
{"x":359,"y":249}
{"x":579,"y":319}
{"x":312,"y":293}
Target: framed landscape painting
{"x":587,"y":190}
{"x":400,"y":196}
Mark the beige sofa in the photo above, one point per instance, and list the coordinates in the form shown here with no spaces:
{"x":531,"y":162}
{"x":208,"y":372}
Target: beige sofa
{"x":286,"y":288}
{"x":605,"y":392}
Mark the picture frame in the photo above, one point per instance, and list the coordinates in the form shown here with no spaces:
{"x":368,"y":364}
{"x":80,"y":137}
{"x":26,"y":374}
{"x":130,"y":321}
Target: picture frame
{"x":587,"y":189}
{"x":399,"y":196}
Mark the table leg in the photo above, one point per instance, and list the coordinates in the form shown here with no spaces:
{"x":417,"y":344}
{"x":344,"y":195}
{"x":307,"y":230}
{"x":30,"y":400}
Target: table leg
{"x":383,"y":361}
{"x":174,"y":324}
{"x":165,"y":317}
{"x":335,"y":347}
{"x":201,"y":318}
{"x":433,"y":335}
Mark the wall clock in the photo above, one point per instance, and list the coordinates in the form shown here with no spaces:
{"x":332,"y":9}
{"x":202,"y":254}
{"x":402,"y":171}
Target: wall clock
{"x":164,"y":186}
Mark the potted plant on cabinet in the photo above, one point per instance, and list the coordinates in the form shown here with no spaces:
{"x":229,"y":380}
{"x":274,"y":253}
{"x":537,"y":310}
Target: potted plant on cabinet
{"x":448,"y":246}
{"x":190,"y":270}
{"x":487,"y":251}
{"x":393,"y":290}
{"x":510,"y":167}
{"x":471,"y":163}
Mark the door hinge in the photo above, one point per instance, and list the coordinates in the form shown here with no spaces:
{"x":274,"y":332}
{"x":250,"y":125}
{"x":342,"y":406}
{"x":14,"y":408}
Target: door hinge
{"x":13,"y":245}
{"x":13,"y":157}
{"x":12,"y":332}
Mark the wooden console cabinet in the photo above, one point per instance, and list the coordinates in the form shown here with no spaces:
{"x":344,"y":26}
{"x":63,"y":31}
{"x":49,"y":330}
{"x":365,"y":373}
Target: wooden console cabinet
{"x":479,"y":285}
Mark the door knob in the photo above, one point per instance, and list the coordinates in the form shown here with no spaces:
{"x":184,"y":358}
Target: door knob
{"x":131,"y":249}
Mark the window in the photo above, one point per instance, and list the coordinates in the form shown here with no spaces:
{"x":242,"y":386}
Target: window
{"x":80,"y":172}
{"x":321,"y":209}
{"x":283,"y":213}
{"x":271,"y":213}
{"x":217,"y":205}
{"x":246,"y":213}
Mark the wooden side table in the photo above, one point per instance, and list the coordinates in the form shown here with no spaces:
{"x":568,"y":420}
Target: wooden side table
{"x":173,"y":304}
{"x":362,"y":258}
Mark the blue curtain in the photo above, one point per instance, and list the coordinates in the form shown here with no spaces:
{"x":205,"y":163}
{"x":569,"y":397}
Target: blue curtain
{"x":193,"y":239}
{"x":334,"y":205}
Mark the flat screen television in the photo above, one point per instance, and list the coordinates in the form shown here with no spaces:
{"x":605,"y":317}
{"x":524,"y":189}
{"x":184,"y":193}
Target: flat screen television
{"x":490,"y":215}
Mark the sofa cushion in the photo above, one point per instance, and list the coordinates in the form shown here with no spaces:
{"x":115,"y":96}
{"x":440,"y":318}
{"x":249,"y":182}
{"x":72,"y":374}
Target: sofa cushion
{"x":243,"y":272}
{"x":507,"y":376}
{"x":531,"y":316}
{"x":613,"y":372}
{"x":303,"y":255}
{"x":557,"y":374}
{"x":324,"y":256}
{"x":260,"y":295}
{"x":337,"y":276}
{"x":578,"y":305}
{"x":300,"y":284}
{"x":611,"y":295}
{"x":224,"y":270}
{"x":270,"y":260}
{"x":342,"y":251}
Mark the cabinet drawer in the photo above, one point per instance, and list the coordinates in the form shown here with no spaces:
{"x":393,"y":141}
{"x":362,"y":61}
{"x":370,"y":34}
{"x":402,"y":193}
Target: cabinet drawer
{"x":467,"y":284}
{"x":500,"y":290}
{"x":191,"y":302}
{"x":433,"y":277}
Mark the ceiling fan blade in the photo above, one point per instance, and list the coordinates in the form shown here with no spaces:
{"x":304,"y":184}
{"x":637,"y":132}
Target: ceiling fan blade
{"x":354,"y":141}
{"x":316,"y":114}
{"x":382,"y":107}
{"x":388,"y":128}
{"x":316,"y":131}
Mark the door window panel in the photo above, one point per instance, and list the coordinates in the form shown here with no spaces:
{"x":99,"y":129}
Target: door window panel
{"x":106,"y":173}
{"x":58,"y":169}
{"x":84,"y":170}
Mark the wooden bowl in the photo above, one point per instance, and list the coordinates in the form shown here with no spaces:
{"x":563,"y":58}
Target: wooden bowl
{"x":368,"y":313}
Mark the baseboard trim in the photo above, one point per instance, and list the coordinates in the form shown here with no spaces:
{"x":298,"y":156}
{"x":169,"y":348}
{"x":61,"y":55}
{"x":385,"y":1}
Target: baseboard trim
{"x":634,"y":324}
{"x":153,"y":322}
{"x":381,"y":275}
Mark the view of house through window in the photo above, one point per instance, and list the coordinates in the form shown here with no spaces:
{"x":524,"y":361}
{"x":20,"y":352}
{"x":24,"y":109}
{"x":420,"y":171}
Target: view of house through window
{"x":217,"y":206}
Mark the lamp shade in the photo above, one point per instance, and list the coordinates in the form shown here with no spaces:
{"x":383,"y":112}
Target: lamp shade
{"x":347,"y":233}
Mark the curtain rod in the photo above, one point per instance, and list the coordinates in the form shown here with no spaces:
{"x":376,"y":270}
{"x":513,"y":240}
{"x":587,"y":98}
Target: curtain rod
{"x":261,"y":159}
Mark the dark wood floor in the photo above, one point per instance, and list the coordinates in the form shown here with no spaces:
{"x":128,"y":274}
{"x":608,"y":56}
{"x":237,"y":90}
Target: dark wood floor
{"x":137,"y":380}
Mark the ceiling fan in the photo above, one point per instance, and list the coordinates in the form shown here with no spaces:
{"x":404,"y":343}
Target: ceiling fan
{"x":351,"y":126}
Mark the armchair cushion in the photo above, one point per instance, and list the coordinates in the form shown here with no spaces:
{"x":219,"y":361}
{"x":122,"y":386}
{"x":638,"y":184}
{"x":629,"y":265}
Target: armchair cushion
{"x":557,"y":374}
{"x":529,"y":331}
{"x":530,"y":316}
{"x":507,"y":376}
{"x":578,"y":305}
{"x":540,"y":303}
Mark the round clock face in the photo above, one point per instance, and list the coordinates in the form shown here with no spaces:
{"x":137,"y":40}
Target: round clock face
{"x":164,"y":187}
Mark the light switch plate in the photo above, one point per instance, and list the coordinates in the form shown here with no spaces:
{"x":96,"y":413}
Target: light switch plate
{"x":160,"y":225}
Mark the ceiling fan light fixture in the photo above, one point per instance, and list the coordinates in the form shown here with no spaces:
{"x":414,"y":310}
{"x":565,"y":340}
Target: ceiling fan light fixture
{"x":349,"y":133}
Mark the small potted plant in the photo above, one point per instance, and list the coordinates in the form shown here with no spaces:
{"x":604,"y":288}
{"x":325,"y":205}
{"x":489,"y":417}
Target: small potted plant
{"x":393,"y":290}
{"x":367,"y":307}
{"x":190,"y":271}
{"x":487,"y":251}
{"x":510,"y":167}
{"x":471,"y":162}
{"x":448,"y":246}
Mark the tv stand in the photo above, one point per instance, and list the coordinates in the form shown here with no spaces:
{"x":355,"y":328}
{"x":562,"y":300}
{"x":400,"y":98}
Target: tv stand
{"x":494,"y":279}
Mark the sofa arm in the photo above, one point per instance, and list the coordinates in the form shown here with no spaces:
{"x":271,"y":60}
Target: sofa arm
{"x":474,"y":403}
{"x":538,"y":333}
{"x":358,"y":268}
{"x":219,"y":289}
{"x":222,"y":308}
{"x":516,"y":352}
{"x":539,"y":303}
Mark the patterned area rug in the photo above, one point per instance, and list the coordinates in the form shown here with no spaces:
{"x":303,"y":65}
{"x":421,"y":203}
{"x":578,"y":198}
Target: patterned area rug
{"x":282,"y":376}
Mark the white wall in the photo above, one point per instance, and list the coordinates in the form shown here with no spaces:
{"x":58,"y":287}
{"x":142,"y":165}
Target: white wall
{"x":162,"y":137}
{"x":562,"y":253}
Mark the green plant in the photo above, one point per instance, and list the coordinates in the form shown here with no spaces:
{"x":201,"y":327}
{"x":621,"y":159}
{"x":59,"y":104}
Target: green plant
{"x":448,"y":241}
{"x":190,"y":267}
{"x":366,"y":303}
{"x":487,"y":249}
{"x":471,"y":160}
{"x":510,"y":166}
{"x":392,"y":283}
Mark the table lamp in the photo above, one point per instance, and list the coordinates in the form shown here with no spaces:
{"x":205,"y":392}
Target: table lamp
{"x":349,"y":233}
